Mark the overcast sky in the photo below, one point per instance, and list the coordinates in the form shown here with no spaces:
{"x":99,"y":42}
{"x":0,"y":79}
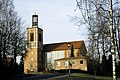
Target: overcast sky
{"x":53,"y":18}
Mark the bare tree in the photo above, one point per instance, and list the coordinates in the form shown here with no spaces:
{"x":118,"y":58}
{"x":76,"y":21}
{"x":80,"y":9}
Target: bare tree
{"x":96,"y":15}
{"x":12,"y":31}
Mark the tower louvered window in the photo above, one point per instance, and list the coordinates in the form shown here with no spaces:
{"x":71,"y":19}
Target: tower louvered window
{"x":31,"y":36}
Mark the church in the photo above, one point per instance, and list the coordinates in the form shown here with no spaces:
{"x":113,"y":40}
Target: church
{"x":56,"y":56}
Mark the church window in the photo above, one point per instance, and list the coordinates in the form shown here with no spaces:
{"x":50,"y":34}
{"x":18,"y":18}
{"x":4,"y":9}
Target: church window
{"x":81,"y":61}
{"x":58,"y":63}
{"x":31,"y":66}
{"x":66,"y":63}
{"x":31,"y":36}
{"x":73,"y":62}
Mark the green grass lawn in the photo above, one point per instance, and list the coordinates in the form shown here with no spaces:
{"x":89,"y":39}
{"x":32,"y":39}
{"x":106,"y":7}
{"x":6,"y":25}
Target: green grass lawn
{"x":80,"y":76}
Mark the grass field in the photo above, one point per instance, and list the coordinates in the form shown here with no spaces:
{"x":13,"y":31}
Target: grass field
{"x":80,"y":76}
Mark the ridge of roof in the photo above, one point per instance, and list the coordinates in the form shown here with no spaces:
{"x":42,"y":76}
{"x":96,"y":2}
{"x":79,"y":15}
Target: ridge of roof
{"x":64,"y":42}
{"x":62,"y":46}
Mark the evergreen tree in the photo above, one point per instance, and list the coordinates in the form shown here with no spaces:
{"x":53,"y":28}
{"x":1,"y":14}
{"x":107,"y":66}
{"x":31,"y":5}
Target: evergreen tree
{"x":72,"y":51}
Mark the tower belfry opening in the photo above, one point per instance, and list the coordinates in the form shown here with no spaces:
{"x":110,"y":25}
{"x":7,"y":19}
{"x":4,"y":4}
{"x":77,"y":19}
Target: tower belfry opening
{"x":34,"y":20}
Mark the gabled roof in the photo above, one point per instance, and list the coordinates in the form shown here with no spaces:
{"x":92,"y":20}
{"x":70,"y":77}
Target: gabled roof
{"x":62,"y":46}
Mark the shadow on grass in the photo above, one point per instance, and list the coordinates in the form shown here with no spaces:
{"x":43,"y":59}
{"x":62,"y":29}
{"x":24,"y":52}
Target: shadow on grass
{"x":89,"y":78}
{"x":80,"y":78}
{"x":14,"y":77}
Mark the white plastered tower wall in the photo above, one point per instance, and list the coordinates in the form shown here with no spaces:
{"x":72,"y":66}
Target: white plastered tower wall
{"x":33,"y":57}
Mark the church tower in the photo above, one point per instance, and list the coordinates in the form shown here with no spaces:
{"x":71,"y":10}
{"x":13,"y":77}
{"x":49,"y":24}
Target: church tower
{"x":33,"y":57}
